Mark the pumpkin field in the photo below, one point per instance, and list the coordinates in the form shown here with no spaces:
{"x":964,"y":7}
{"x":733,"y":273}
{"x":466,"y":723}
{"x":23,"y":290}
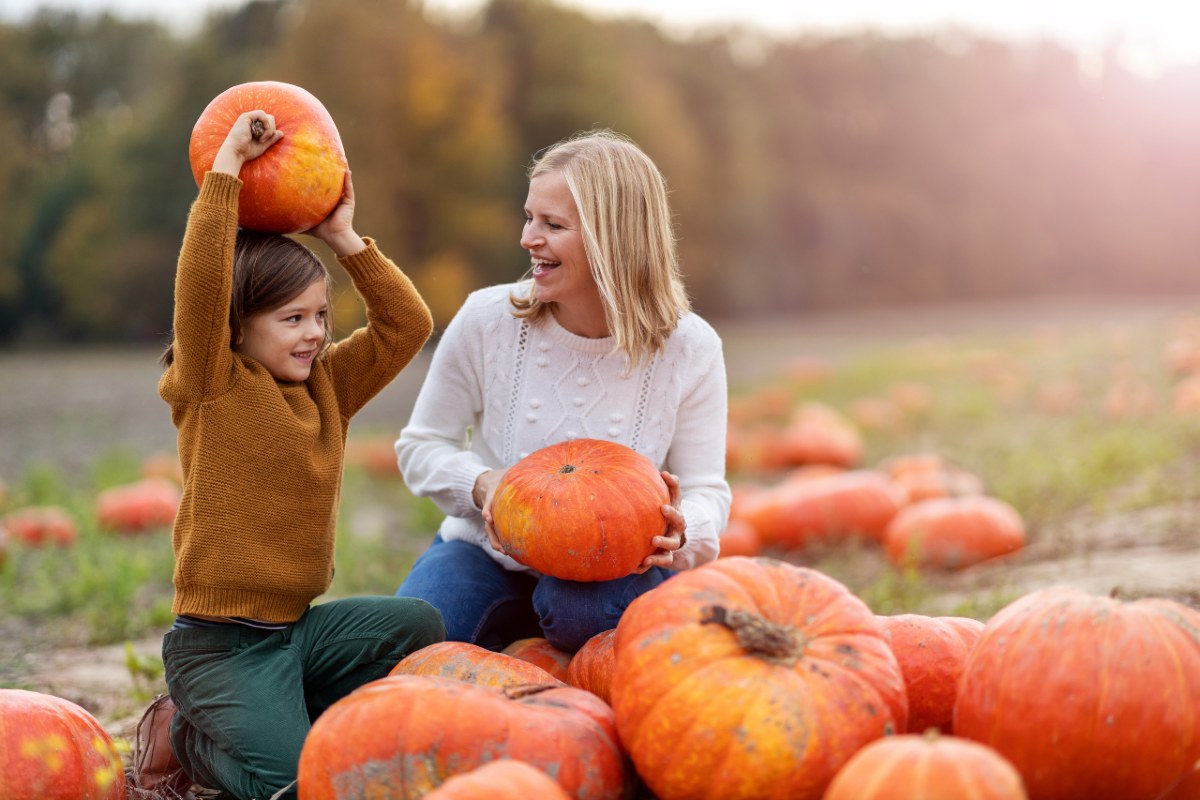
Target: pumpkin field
{"x":997,"y":465}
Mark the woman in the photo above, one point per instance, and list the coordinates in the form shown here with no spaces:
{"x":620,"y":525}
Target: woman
{"x":599,"y":342}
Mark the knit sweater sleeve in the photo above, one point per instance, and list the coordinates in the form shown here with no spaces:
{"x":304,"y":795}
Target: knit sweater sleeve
{"x":432,"y":455}
{"x":398,"y":325}
{"x":202,"y":358}
{"x":697,"y":453}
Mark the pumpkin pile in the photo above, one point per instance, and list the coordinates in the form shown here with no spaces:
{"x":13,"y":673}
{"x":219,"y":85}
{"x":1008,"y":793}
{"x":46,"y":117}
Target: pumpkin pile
{"x":753,"y":678}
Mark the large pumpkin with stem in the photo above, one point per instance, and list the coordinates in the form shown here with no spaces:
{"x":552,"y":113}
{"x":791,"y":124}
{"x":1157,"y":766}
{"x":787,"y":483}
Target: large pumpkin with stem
{"x":927,"y":767}
{"x":468,"y":662}
{"x":401,"y":737}
{"x":1089,"y":696}
{"x":751,"y":678}
{"x":582,"y":510}
{"x":53,"y":749}
{"x":294,"y":185}
{"x":931,"y":652}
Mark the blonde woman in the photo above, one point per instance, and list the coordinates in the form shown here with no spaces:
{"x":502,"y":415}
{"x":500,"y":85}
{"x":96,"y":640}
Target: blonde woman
{"x":597,"y":341}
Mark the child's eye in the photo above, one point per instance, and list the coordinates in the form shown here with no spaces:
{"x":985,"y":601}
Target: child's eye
{"x":293,"y":318}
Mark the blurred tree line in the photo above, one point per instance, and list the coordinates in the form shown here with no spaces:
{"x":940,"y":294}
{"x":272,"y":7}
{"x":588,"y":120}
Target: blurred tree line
{"x":805,"y":173}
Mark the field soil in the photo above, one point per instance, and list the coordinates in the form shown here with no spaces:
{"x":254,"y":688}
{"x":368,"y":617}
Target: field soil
{"x":63,"y":409}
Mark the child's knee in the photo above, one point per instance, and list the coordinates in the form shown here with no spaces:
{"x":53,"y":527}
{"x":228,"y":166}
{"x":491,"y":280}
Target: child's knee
{"x":422,"y":622}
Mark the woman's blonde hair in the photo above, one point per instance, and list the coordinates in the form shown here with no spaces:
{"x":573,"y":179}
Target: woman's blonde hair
{"x":628,"y":237}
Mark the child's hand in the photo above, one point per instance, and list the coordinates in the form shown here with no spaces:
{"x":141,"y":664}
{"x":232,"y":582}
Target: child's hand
{"x":337,"y":229}
{"x":251,"y":135}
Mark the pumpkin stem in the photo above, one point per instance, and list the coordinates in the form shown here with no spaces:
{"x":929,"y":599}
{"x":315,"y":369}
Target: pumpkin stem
{"x":566,"y":469}
{"x":773,"y":642}
{"x":257,"y":129}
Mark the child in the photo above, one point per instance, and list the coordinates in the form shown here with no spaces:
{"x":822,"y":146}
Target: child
{"x":262,"y":401}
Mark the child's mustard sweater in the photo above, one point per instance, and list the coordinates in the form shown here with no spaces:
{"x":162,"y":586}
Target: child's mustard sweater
{"x":262,"y":460}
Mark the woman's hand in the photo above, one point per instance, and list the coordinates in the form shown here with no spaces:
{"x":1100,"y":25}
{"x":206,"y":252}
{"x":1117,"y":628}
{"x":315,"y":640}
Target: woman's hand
{"x":676,"y":533}
{"x":252,"y":134}
{"x":337,"y":229}
{"x":482,"y":494}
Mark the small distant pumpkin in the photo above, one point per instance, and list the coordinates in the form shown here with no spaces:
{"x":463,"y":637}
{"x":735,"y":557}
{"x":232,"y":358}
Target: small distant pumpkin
{"x":581,"y":510}
{"x":144,"y":505}
{"x":953,"y":532}
{"x":42,"y":525}
{"x":928,"y":767}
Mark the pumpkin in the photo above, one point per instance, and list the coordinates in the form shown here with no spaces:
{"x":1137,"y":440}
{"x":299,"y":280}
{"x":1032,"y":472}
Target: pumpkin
{"x":500,"y":780}
{"x":592,"y":667}
{"x":537,"y":650}
{"x":163,"y":465}
{"x":401,"y":737}
{"x":930,"y":767}
{"x":145,"y":505}
{"x":751,"y":678}
{"x":799,"y":512}
{"x":294,"y":185}
{"x":53,"y":749}
{"x":41,"y":525}
{"x":471,"y":663}
{"x":819,"y":434}
{"x":925,"y":476}
{"x":581,"y":510}
{"x":740,"y":538}
{"x":931,"y":652}
{"x":953,"y":532}
{"x":1089,"y":696}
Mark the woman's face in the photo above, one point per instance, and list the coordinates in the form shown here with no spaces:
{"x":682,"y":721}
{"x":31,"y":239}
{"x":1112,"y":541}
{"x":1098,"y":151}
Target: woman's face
{"x":554,"y":238}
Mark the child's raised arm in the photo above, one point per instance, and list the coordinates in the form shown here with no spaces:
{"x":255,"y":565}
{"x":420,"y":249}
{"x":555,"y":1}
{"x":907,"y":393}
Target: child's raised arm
{"x":337,"y":230}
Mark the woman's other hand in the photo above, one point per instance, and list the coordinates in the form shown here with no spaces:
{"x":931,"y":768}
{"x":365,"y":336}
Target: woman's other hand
{"x":482,"y":494}
{"x":675,"y":536}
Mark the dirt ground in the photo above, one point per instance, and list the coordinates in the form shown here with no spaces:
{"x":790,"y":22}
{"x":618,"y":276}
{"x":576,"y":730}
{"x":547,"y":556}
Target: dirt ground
{"x":63,"y":409}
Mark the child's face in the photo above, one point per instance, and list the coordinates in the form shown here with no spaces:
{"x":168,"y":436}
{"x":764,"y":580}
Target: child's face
{"x":286,"y":340}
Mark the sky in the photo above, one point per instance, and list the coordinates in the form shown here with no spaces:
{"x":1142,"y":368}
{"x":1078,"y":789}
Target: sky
{"x":1148,"y":34}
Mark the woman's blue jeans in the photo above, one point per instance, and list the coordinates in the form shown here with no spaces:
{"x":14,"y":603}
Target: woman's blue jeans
{"x":485,"y":604}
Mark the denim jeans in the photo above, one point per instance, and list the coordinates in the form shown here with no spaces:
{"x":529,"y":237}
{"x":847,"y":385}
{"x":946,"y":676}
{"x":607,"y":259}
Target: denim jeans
{"x":485,"y":604}
{"x":247,"y":697}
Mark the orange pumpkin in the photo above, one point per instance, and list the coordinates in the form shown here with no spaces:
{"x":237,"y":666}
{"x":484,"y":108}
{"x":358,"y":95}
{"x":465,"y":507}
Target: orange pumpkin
{"x":42,"y":525}
{"x":163,"y":465}
{"x":145,"y":505}
{"x":299,"y":179}
{"x":592,"y":667}
{"x":751,"y":678}
{"x":1089,"y":696}
{"x":797,"y":513}
{"x":471,"y":663}
{"x":401,"y":737}
{"x":740,"y":538}
{"x":581,"y":510}
{"x":928,"y":475}
{"x":500,"y":780}
{"x":53,"y":749}
{"x":819,"y":434}
{"x":931,"y":767}
{"x":536,"y":650}
{"x":931,"y":652}
{"x":953,"y":532}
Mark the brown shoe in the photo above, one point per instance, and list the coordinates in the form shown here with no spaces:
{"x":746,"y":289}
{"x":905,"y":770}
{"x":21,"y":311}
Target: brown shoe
{"x":155,"y":772}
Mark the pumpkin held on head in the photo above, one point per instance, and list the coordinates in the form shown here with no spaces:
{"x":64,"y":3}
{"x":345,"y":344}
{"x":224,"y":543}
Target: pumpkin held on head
{"x":581,"y":510}
{"x":295,"y":184}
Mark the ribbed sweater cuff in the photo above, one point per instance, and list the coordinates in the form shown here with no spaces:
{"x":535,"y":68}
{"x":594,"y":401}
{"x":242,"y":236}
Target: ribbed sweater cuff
{"x":219,"y":188}
{"x":368,"y":264}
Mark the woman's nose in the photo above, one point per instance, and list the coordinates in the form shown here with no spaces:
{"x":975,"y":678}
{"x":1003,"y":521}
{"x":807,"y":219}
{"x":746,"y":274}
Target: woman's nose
{"x":529,"y":239}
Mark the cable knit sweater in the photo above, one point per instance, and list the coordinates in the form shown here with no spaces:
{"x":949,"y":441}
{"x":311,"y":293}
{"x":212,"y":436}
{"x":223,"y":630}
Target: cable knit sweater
{"x":500,"y":387}
{"x":262,"y":460}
